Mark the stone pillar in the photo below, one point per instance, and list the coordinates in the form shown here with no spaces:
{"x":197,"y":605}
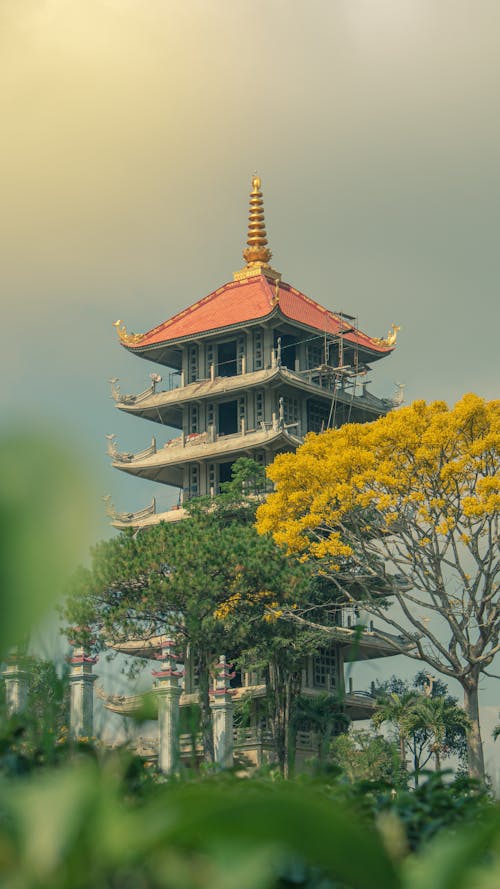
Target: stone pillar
{"x":81,"y":679}
{"x":222,"y":715}
{"x":168,"y":691}
{"x":16,"y":678}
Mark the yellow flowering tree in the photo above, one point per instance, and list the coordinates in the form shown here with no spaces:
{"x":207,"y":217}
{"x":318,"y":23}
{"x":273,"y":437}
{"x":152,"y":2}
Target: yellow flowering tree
{"x":404,"y":511}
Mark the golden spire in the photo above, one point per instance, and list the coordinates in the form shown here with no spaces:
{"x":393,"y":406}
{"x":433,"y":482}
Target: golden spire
{"x":257,"y":254}
{"x":257,"y":249}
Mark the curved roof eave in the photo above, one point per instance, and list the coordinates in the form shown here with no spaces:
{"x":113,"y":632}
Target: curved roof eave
{"x":378,"y":351}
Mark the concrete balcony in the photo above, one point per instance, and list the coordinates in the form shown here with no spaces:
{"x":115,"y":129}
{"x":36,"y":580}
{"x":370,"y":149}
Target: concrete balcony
{"x":165,"y":464}
{"x":143,"y":518}
{"x":165,"y":406}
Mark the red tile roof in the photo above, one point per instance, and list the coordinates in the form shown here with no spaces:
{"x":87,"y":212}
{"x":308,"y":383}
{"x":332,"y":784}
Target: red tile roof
{"x":252,"y":299}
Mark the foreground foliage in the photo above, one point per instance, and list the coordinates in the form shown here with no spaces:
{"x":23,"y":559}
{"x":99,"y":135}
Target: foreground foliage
{"x":77,"y":828}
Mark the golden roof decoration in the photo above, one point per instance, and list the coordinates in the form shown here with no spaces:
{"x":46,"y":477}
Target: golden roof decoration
{"x":257,"y":253}
{"x":390,"y":339}
{"x":129,"y":339}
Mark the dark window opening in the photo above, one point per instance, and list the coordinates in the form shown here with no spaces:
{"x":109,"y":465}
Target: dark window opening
{"x":226,"y":472}
{"x":237,"y":680}
{"x":226,"y":359}
{"x":288,"y":349}
{"x":317,"y":416}
{"x":228,"y":418}
{"x":315,"y":354}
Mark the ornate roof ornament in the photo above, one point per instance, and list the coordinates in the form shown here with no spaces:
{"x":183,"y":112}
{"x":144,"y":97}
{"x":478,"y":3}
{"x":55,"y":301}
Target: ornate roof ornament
{"x":127,"y":338}
{"x":390,"y":339}
{"x":257,"y":253}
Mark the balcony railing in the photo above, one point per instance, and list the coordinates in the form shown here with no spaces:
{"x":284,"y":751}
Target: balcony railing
{"x":175,"y":381}
{"x":128,"y":518}
{"x":123,"y":457}
{"x":194,"y":440}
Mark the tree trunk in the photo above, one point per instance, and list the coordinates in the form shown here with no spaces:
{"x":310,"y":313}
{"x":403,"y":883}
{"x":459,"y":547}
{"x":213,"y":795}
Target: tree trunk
{"x":289,"y":755}
{"x":437,"y":759}
{"x":280,"y":715}
{"x":402,"y":752}
{"x":284,"y":686}
{"x":475,"y":754}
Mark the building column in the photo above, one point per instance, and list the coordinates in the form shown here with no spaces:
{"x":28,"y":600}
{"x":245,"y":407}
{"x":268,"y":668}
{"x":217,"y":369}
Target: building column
{"x":81,"y":683}
{"x":16,"y":677}
{"x":168,"y":691}
{"x":222,"y":715}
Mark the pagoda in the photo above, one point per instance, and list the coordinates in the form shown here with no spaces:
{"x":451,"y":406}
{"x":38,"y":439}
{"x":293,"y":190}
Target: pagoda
{"x":252,"y":368}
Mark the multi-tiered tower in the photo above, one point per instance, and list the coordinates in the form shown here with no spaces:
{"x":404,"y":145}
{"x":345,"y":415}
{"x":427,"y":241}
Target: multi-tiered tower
{"x":253,"y":367}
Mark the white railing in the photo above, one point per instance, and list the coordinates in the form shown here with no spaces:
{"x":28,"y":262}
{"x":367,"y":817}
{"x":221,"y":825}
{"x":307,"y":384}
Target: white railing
{"x":252,"y":736}
{"x":193,"y":439}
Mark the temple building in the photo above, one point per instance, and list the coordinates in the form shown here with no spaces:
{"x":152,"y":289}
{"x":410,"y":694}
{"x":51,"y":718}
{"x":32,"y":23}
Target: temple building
{"x":251,"y":369}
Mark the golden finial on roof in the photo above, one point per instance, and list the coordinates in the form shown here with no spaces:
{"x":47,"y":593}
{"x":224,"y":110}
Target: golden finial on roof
{"x":257,"y":253}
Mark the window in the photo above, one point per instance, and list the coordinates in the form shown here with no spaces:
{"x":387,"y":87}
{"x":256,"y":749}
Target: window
{"x":193,"y":480}
{"x":210,"y":357}
{"x":259,"y":408}
{"x":226,"y":472}
{"x":193,"y":364}
{"x":194,"y":417}
{"x":240,"y":353}
{"x":258,"y":350}
{"x":291,"y":409}
{"x":317,"y":416}
{"x":241,"y":411}
{"x":324,"y":665}
{"x":285,"y":345}
{"x":226,"y":359}
{"x":212,"y":479}
{"x":228,"y":417}
{"x":210,"y":414}
{"x":315,"y":354}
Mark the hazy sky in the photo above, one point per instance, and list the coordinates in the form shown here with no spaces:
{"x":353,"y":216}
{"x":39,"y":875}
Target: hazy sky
{"x":130,"y":132}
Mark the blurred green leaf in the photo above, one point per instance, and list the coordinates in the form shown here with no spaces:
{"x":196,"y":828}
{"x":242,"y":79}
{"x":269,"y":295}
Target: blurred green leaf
{"x":450,"y":861}
{"x":286,"y":818}
{"x":45,"y":519}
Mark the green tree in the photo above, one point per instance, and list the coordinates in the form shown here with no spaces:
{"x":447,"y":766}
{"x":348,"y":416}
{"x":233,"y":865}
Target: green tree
{"x":399,"y":711}
{"x":207,"y":580}
{"x":364,"y":756}
{"x":406,"y":509}
{"x":438,"y":718}
{"x":419,"y":740}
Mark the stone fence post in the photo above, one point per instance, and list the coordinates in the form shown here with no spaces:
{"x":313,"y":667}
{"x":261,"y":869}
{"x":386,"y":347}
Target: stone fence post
{"x":81,"y":679}
{"x":222,"y":715}
{"x":16,"y":677}
{"x":168,"y":691}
